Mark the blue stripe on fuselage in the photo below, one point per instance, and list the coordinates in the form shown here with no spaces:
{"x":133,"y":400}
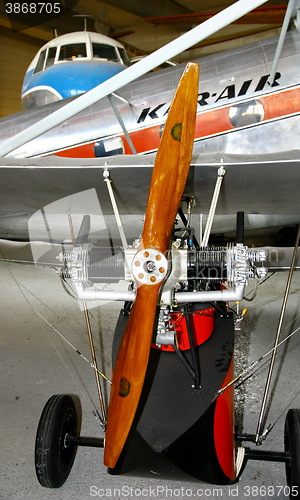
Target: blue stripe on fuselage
{"x":72,"y":77}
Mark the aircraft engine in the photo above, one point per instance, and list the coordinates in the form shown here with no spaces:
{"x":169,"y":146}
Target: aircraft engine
{"x":190,"y":270}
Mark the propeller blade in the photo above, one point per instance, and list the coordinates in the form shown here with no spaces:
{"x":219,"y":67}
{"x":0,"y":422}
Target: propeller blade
{"x":150,"y":265}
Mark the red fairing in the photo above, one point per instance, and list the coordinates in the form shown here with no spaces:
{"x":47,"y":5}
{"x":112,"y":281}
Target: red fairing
{"x":202,"y":323}
{"x":224,"y":428}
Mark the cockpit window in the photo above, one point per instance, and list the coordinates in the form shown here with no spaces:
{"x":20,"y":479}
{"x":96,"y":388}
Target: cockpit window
{"x":51,"y":56}
{"x":72,"y":51}
{"x":40,"y":63}
{"x":103,"y":51}
{"x":124,"y":56}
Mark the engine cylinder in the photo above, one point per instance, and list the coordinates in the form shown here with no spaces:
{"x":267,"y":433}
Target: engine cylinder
{"x":104,"y":264}
{"x":208,"y":264}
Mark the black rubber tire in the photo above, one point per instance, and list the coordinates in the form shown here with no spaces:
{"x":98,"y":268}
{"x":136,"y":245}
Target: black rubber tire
{"x":292,"y":448}
{"x":53,"y":458}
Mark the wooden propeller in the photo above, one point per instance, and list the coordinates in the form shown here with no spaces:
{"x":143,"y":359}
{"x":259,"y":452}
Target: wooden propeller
{"x":150,"y":265}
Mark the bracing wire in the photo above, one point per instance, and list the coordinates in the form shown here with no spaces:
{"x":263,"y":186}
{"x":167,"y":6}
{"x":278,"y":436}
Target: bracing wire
{"x":249,"y":372}
{"x":43,"y":321}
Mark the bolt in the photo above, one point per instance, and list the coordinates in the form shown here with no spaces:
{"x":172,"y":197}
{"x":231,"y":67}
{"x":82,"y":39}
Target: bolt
{"x":150,"y":266}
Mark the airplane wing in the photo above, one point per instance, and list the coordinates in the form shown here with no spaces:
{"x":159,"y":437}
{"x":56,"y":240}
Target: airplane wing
{"x":266,"y":184}
{"x":37,"y":196}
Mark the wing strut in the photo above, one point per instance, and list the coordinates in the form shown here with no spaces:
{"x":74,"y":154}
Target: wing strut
{"x":107,"y":180}
{"x":121,"y":122}
{"x":213,"y":206}
{"x":292,"y":5}
{"x":260,"y":435}
{"x":150,"y":264}
{"x":81,"y":237}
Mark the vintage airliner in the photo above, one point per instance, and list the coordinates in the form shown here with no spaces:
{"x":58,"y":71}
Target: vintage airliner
{"x":242,"y":108}
{"x":69,"y":65}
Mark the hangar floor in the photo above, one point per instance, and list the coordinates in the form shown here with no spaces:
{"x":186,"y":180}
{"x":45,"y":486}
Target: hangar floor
{"x":36,"y":363}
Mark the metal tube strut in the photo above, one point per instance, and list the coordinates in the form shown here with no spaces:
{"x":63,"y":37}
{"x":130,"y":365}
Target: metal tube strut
{"x":86,"y":225}
{"x":281,"y":40}
{"x":261,"y":419}
{"x":95,"y":364}
{"x":107,"y":180}
{"x":214,"y":201}
{"x":122,"y":124}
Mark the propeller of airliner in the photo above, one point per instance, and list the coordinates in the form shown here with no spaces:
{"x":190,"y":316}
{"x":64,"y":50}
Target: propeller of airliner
{"x":150,"y":264}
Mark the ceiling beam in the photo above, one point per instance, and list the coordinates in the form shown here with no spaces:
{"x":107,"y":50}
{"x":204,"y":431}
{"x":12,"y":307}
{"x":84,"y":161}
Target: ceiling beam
{"x":149,"y":9}
{"x":66,"y":23}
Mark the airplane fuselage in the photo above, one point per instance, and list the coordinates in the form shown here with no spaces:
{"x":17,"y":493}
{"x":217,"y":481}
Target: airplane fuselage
{"x":239,"y":110}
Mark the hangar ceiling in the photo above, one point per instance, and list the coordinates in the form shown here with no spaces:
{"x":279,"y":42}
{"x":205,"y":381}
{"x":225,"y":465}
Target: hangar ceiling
{"x":144,"y":26}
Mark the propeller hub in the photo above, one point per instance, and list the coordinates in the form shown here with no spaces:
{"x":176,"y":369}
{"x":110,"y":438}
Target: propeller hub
{"x":149,"y":266}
